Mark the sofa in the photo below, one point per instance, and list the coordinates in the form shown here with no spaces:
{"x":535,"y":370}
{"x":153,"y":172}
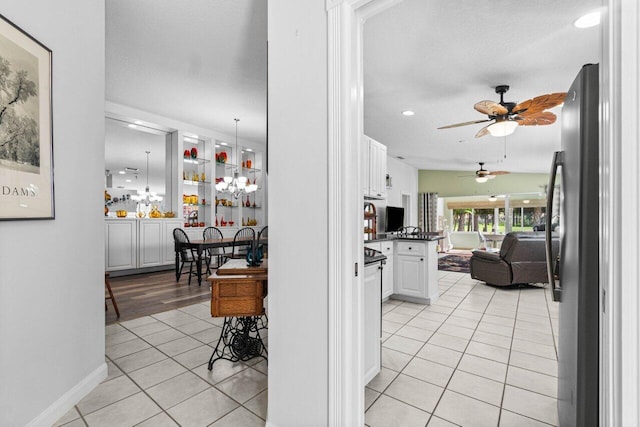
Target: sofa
{"x":522,"y":259}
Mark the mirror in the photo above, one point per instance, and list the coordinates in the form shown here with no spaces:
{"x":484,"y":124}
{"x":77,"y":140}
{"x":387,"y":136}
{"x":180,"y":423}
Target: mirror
{"x":126,"y":174}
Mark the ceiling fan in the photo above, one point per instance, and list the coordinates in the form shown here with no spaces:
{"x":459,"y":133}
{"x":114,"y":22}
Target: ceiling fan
{"x":507,"y":116}
{"x":483,"y":175}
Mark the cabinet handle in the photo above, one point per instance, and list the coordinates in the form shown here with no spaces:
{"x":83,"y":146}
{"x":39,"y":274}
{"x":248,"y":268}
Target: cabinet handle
{"x":409,"y":247}
{"x":421,"y":259}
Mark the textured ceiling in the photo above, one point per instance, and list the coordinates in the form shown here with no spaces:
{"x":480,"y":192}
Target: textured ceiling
{"x":204,"y":62}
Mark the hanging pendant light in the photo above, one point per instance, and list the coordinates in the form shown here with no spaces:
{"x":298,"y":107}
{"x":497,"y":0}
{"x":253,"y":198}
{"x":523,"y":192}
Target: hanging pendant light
{"x":148,"y":196}
{"x":236,"y":185}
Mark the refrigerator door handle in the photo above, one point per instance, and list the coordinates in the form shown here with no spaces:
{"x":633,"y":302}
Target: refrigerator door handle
{"x":558,"y":160}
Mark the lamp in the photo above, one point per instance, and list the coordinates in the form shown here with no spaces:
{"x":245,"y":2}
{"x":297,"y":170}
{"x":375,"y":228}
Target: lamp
{"x":481,"y":179}
{"x":236,"y":184}
{"x":502,"y":127}
{"x":148,"y":196}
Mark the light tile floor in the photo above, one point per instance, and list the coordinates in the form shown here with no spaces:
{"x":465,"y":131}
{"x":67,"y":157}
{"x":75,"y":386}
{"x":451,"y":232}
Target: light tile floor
{"x":479,"y":356}
{"x":158,"y":377}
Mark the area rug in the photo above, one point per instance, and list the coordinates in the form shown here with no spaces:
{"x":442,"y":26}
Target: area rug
{"x":458,"y":262}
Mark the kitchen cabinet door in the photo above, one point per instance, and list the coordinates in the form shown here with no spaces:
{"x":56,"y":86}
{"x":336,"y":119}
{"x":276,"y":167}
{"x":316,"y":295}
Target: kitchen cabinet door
{"x":372,"y":321}
{"x":168,"y":247}
{"x":373,"y":168}
{"x":378,"y":173}
{"x":388,"y":270}
{"x":150,"y":243}
{"x":121,"y":238}
{"x":411,"y":276}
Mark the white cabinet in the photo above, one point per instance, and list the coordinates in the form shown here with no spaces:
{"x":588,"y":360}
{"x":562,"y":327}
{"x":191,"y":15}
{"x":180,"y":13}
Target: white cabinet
{"x":373,"y":168}
{"x":150,"y":243}
{"x":139,"y":243}
{"x":372,"y":320}
{"x":388,"y":270}
{"x":416,"y":271}
{"x":121,"y":238}
{"x":168,"y":246}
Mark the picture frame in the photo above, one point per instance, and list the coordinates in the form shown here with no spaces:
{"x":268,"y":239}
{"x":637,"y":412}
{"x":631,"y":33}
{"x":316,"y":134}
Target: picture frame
{"x":26,"y":126}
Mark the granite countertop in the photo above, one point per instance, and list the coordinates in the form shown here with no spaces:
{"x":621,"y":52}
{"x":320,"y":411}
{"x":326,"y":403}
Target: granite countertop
{"x":410,"y":237}
{"x":372,"y":256}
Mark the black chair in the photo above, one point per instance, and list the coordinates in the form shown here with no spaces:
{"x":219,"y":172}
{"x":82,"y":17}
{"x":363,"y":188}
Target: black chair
{"x":184,"y":253}
{"x":242,"y":242}
{"x":213,"y":233}
{"x":263,"y":234}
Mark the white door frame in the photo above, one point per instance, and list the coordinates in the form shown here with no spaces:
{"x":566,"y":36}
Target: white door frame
{"x":620,"y":202}
{"x":345,"y":20}
{"x":619,"y":206}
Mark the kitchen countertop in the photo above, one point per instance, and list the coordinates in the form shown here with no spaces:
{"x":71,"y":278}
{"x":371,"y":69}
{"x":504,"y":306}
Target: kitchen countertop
{"x":410,"y":237}
{"x":372,"y":256}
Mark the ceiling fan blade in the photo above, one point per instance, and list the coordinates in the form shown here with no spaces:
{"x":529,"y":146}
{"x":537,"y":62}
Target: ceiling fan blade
{"x":539,"y":103}
{"x":498,"y":173}
{"x":538,"y":119}
{"x":490,"y":108}
{"x":484,"y":131}
{"x":473,"y":122}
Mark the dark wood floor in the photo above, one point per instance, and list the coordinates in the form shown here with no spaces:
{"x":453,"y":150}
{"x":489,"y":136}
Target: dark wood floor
{"x":144,"y":294}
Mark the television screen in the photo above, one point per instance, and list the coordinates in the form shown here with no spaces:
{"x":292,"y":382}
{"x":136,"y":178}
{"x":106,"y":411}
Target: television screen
{"x":394,"y":219}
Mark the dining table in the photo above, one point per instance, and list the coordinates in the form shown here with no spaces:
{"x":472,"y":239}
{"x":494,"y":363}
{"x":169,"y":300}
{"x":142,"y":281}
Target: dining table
{"x":201,"y":245}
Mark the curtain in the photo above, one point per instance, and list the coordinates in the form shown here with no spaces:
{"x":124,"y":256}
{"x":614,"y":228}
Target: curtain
{"x":428,"y":211}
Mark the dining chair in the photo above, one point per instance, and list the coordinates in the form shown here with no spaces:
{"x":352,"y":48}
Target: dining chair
{"x":242,"y":241}
{"x":107,"y":285}
{"x":213,"y":233}
{"x":263,"y":234}
{"x":185,"y":253}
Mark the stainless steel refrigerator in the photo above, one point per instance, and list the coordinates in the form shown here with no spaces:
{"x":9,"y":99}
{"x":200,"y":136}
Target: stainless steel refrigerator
{"x":574,"y":275}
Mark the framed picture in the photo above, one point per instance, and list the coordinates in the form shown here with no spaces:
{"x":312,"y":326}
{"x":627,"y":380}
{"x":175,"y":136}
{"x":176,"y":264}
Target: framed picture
{"x":26,"y":134}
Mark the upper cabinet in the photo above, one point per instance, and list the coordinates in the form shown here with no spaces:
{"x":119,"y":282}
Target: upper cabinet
{"x":373,"y":168}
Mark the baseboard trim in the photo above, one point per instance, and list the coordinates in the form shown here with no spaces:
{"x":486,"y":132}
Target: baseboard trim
{"x":61,"y":406}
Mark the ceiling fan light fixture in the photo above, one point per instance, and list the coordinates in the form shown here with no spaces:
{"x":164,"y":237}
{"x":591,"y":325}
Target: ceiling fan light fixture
{"x":502,"y":127}
{"x":491,"y":176}
{"x":481,"y":179}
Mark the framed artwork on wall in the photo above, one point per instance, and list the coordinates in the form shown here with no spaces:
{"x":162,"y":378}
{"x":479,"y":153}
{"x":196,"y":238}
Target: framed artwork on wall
{"x":26,"y":132}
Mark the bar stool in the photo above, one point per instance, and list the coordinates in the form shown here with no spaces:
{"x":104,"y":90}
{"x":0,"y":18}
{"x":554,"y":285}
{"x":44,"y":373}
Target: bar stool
{"x":111,"y":297}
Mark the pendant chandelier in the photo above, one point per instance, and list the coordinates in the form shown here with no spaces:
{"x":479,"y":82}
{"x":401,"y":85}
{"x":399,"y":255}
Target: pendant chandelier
{"x":236,"y":185}
{"x":148,"y":196}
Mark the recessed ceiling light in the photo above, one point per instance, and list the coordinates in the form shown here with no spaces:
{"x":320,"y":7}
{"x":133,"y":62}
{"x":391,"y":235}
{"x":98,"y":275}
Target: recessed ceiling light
{"x":127,"y":180}
{"x":138,"y":122}
{"x":526,"y":201}
{"x":224,"y":143}
{"x":132,"y":126}
{"x":249,"y":149}
{"x":121,"y":172}
{"x":588,"y":20}
{"x":217,"y":145}
{"x":408,"y":113}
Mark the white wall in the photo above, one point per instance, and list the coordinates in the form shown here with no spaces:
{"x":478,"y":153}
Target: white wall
{"x":298,"y":221}
{"x":51,"y":271}
{"x":404,"y":180}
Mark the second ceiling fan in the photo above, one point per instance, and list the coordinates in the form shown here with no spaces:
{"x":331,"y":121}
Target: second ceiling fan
{"x":507,"y":116}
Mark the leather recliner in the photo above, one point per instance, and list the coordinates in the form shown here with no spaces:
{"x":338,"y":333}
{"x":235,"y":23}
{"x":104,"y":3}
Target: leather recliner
{"x":521,"y":259}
